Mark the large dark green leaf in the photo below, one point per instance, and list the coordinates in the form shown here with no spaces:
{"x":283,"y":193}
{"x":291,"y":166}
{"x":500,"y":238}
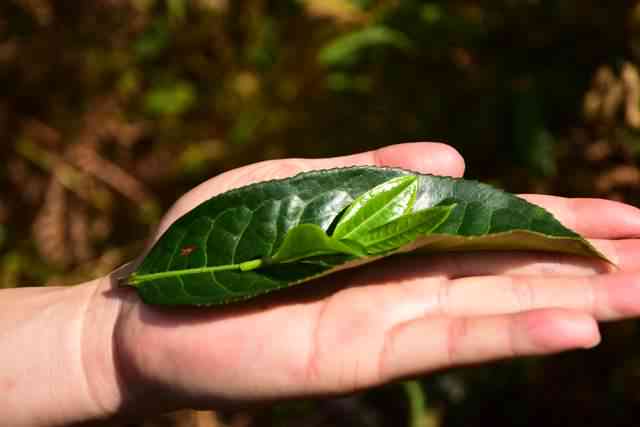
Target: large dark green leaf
{"x":275,"y":234}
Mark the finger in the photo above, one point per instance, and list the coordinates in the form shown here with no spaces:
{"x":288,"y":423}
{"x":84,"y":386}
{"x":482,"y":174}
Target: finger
{"x":431,"y":343}
{"x":594,"y":218}
{"x":420,"y":269}
{"x":623,"y":254}
{"x":426,"y":157}
{"x":434,"y":158}
{"x":405,"y":289}
{"x":466,"y":264}
{"x":606,"y":297}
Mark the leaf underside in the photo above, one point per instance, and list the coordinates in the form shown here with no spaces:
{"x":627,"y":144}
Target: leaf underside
{"x":231,"y":248}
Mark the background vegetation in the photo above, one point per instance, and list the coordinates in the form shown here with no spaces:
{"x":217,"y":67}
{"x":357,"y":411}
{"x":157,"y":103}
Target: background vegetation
{"x":110,"y":109}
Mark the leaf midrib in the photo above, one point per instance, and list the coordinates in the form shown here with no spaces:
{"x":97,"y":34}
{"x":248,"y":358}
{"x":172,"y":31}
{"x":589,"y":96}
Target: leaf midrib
{"x":366,"y":221}
{"x":137,"y":279}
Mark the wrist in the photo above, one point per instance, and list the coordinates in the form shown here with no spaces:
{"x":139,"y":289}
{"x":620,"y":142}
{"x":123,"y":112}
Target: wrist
{"x":57,"y":366}
{"x":116,"y":384}
{"x":104,"y":389}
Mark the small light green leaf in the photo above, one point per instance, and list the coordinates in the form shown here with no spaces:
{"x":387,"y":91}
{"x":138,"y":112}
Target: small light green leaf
{"x":377,"y":206}
{"x":309,"y":240}
{"x":403,"y":230}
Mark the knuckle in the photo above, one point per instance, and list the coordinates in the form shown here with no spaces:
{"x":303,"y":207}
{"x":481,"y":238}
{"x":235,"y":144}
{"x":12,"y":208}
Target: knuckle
{"x":457,"y":330}
{"x":523,"y":292}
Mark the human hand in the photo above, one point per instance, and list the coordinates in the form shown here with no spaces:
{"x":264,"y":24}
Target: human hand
{"x":391,"y":319}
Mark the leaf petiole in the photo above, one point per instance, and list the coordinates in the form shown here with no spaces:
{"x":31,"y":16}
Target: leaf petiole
{"x":250,"y":265}
{"x":136,"y":279}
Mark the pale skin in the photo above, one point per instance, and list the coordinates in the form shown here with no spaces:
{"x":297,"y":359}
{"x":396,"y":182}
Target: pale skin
{"x":94,"y":352}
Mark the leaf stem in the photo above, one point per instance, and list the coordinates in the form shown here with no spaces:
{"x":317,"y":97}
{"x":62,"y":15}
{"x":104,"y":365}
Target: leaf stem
{"x":136,"y":279}
{"x":417,"y":403}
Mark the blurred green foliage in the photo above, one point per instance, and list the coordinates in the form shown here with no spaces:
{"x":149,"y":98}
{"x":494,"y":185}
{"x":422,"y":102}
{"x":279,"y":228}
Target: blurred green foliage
{"x":348,"y":50}
{"x":173,"y":99}
{"x":111,"y":109}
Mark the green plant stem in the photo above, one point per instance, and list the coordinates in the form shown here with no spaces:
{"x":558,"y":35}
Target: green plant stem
{"x":136,"y":279}
{"x":417,"y":403}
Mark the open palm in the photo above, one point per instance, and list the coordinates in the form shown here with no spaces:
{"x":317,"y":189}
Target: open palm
{"x":395,"y":318}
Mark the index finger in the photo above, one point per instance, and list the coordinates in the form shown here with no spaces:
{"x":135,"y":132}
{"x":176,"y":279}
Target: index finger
{"x":593,"y":218}
{"x":426,"y":157}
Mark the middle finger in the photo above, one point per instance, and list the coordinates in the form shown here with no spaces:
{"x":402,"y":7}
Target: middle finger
{"x":606,"y":297}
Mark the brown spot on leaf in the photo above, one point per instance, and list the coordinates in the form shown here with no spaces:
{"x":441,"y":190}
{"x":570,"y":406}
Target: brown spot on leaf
{"x":187,"y":250}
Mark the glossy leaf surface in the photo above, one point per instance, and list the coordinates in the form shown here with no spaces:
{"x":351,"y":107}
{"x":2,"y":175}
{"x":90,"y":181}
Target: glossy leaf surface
{"x":309,"y":240}
{"x":275,"y":234}
{"x":378,"y":206}
{"x":403,"y":230}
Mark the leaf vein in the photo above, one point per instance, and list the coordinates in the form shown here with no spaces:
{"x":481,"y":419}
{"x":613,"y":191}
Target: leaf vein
{"x":205,"y":240}
{"x":241,"y":235}
{"x":221,"y":286}
{"x":175,"y":250}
